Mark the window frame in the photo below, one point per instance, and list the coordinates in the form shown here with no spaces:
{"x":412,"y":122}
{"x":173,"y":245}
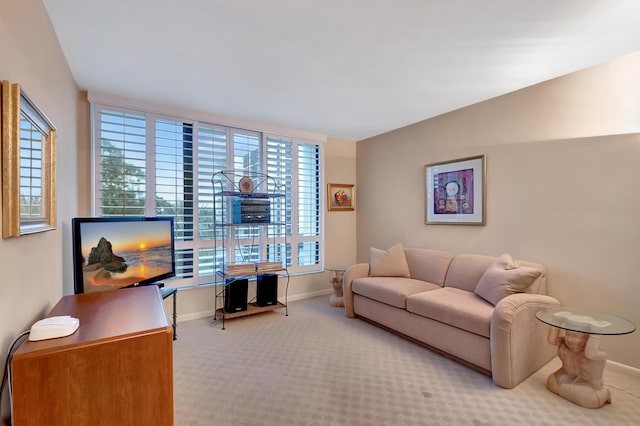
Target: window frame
{"x":200,"y":244}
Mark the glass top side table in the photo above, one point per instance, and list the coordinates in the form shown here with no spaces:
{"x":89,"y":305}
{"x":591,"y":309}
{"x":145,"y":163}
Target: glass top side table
{"x":337,"y":272}
{"x":577,"y":333}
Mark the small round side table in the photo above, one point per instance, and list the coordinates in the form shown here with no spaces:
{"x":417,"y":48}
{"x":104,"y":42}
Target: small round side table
{"x":576,"y":333}
{"x":337,"y":272}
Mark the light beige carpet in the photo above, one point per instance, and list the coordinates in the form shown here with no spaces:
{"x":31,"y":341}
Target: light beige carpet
{"x":317,"y":367}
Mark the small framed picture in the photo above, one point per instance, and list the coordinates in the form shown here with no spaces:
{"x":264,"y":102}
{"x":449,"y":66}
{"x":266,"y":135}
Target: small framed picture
{"x":341,"y":197}
{"x":456,"y":192}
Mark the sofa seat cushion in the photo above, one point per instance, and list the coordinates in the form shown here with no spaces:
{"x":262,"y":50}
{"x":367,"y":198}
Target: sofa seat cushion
{"x":391,"y":290}
{"x":459,"y":308}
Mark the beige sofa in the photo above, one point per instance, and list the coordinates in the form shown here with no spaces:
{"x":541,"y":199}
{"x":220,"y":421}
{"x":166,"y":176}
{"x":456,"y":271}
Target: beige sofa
{"x":477,"y":309}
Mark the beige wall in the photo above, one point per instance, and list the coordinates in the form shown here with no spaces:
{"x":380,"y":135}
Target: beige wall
{"x":32,"y":266}
{"x":340,"y":226}
{"x":562,"y":165}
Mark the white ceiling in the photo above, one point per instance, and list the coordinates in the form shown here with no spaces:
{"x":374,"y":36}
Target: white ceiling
{"x":349,"y":69}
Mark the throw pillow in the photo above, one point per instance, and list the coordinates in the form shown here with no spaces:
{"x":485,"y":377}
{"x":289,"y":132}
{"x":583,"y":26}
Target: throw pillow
{"x":388,"y":263}
{"x":503,"y":278}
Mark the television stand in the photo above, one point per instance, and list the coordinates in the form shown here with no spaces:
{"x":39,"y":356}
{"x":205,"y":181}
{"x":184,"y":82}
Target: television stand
{"x":116,"y":369}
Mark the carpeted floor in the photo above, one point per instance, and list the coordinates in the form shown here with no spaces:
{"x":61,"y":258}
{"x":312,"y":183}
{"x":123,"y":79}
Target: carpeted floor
{"x":317,"y":367}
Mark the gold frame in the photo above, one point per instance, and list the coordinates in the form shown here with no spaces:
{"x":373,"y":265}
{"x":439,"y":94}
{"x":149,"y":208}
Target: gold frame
{"x":350,"y":192}
{"x":15,"y":101}
{"x":476,"y":170}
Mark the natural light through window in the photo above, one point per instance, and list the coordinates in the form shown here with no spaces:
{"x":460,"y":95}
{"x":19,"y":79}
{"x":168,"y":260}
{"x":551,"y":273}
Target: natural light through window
{"x":150,"y":165}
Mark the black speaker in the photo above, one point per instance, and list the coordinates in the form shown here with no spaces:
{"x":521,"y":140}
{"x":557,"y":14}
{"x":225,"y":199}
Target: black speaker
{"x":267,"y":290}
{"x":235,"y":295}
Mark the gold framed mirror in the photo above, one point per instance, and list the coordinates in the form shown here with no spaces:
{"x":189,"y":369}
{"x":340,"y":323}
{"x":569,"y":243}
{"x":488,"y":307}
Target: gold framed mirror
{"x":28,"y":165}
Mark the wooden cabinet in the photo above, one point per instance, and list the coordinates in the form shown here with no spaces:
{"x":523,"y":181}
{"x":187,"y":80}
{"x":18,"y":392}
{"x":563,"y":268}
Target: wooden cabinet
{"x":117,"y":368}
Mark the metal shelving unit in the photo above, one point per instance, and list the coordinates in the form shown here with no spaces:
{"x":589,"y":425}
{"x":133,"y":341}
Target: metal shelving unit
{"x":233,"y":189}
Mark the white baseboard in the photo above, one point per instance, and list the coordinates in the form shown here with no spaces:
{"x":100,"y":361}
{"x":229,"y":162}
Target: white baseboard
{"x":211,"y":312}
{"x":195,"y":315}
{"x":302,"y":296}
{"x":623,"y":369}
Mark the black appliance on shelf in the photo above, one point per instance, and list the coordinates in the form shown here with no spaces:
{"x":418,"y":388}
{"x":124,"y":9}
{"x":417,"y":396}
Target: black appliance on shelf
{"x":267,"y":290}
{"x":235,"y":294}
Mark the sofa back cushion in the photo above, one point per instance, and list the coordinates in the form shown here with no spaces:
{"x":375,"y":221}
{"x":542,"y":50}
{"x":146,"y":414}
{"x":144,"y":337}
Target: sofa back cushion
{"x":466,"y":269}
{"x":428,"y":264}
{"x":388,"y":263}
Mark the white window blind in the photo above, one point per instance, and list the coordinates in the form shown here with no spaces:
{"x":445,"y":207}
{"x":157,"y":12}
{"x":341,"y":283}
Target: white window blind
{"x":148,"y":165}
{"x":122,"y":164}
{"x":211,"y":158}
{"x":30,"y":171}
{"x":173,"y":173}
{"x":246,"y":151}
{"x":245,"y":242}
{"x":308,"y":207}
{"x":279,"y":160}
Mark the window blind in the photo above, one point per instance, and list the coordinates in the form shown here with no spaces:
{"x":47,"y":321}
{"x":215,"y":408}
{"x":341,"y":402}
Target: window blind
{"x":149,"y":165}
{"x":122,"y":164}
{"x":30,"y":171}
{"x":211,"y":158}
{"x":173,"y":176}
{"x":308,"y":207}
{"x":279,"y":159}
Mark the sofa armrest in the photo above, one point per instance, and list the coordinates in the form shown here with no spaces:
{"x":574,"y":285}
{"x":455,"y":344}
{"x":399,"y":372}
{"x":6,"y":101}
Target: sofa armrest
{"x":359,"y":270}
{"x":519,"y":345}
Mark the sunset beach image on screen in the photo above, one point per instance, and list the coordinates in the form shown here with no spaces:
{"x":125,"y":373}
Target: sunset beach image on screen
{"x":121,"y":253}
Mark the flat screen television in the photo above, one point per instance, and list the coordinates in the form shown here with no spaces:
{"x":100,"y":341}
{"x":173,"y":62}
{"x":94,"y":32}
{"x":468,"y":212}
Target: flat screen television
{"x":117,"y":252}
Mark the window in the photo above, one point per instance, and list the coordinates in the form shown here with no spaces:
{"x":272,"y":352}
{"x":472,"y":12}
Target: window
{"x":28,"y":165}
{"x":152,"y":165}
{"x":122,"y":164}
{"x":285,"y":160}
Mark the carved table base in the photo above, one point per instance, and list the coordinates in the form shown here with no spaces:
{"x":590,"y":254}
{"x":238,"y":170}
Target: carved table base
{"x":337,"y":298}
{"x":579,"y":380}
